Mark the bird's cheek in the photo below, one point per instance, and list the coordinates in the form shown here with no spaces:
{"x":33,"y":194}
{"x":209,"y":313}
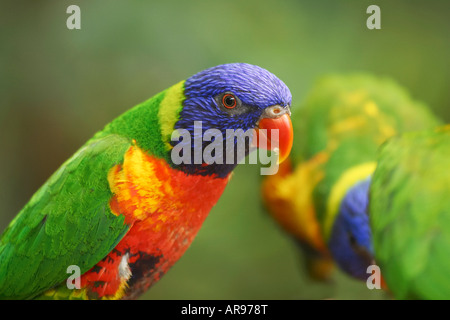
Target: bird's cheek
{"x":275,"y":134}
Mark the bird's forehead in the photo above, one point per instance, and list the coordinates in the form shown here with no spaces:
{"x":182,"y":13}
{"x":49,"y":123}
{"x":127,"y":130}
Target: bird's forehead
{"x":252,"y":84}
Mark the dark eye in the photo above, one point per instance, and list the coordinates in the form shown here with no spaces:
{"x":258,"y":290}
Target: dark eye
{"x":352,"y":239}
{"x":229,"y":101}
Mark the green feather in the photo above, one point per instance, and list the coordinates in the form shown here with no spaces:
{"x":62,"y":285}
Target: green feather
{"x":67,"y":222}
{"x":410,"y":214}
{"x":157,"y":115}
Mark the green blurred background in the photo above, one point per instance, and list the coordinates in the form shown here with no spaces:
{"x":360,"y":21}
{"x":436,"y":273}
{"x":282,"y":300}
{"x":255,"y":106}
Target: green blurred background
{"x":59,"y":86}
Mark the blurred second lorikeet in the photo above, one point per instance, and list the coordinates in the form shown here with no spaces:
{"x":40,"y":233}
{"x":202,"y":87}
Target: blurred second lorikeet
{"x":410,"y":214}
{"x":121,"y":209}
{"x":320,"y":194}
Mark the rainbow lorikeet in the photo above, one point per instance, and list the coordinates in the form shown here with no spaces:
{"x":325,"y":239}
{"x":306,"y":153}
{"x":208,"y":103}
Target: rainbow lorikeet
{"x":320,"y":195}
{"x":122,"y":209}
{"x":410,"y":214}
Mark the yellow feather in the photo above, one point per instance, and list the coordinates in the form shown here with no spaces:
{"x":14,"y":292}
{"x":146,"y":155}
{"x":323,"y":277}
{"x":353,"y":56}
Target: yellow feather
{"x":169,"y":110}
{"x":340,"y":188}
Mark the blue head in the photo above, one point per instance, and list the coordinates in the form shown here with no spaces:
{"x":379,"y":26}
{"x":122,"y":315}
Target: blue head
{"x":230,"y":96}
{"x":350,"y":242}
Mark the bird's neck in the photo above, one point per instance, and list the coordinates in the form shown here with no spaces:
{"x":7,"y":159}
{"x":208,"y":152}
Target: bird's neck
{"x":150,"y":124}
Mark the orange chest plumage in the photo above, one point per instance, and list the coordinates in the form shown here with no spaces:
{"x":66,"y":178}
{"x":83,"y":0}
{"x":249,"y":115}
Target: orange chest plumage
{"x":165,"y":208}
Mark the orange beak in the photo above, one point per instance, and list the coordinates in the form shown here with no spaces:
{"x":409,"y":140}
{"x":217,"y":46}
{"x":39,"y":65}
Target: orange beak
{"x":276,"y":118}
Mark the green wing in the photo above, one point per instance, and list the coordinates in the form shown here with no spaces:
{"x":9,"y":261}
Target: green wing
{"x":67,"y":222}
{"x":410,"y":214}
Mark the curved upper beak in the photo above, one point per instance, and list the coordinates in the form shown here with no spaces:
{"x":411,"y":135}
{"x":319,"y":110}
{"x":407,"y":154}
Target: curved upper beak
{"x":278,"y":135}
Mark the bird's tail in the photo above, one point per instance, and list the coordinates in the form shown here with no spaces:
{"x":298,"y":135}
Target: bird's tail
{"x":318,"y":265}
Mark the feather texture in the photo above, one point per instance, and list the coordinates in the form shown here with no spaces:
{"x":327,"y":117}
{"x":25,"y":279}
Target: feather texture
{"x":411,"y":215}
